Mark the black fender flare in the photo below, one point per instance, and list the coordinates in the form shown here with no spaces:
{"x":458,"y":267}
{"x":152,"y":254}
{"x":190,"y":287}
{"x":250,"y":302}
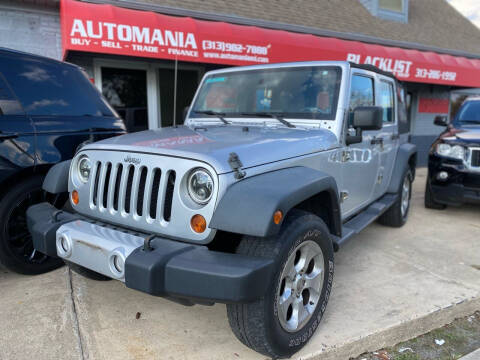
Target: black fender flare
{"x":56,"y":181}
{"x":248,"y":206}
{"x":405,"y":152}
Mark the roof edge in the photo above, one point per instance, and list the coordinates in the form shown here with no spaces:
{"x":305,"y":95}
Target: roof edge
{"x":234,"y":19}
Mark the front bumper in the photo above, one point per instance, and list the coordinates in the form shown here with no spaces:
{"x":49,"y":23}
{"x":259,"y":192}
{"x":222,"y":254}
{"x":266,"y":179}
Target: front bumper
{"x":185,"y":272}
{"x":462,"y":186}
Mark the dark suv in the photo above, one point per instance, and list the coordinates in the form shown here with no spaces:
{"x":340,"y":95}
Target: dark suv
{"x":454,"y":160}
{"x":47,"y":110}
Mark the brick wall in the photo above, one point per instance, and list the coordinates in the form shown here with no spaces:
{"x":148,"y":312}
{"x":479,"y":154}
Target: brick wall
{"x":31,"y":30}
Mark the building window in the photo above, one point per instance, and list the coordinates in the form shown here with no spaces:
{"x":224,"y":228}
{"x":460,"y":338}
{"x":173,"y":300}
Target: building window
{"x":391,"y":5}
{"x":392,"y":10}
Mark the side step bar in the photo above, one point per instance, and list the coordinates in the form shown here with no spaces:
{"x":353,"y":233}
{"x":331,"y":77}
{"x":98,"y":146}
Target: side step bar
{"x":365,"y":218}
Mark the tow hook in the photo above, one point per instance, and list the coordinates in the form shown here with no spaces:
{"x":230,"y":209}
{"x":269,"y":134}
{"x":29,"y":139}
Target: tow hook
{"x":146,"y":243}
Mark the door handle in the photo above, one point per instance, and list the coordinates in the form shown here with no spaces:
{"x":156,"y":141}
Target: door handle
{"x":395,"y":136}
{"x":377,"y":140}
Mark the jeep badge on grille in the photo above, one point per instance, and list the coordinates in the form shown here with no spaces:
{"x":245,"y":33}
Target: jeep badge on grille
{"x":132,"y":160}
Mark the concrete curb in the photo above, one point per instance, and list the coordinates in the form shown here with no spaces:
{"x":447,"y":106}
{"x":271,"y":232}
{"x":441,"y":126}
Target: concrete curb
{"x":472,"y":356}
{"x":401,"y":332}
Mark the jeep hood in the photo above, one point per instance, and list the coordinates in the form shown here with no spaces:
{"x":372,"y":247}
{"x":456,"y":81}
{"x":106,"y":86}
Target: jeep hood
{"x":255,"y":145}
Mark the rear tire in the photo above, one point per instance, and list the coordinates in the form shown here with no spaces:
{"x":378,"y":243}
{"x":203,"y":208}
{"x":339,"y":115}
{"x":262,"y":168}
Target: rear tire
{"x":16,"y":246}
{"x":281,"y":323}
{"x":397,"y":215}
{"x":89,"y":274}
{"x":430,"y":203}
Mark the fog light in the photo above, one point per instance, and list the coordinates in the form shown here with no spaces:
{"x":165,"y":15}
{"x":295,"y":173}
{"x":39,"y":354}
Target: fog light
{"x":64,"y":246}
{"x":198,"y":223}
{"x":442,"y":175}
{"x":118,"y":263}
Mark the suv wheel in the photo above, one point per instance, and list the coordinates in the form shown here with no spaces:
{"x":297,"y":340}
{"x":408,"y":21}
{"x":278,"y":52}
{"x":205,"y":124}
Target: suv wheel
{"x":397,"y":215}
{"x":430,"y":203}
{"x":16,"y":246}
{"x":282,"y":322}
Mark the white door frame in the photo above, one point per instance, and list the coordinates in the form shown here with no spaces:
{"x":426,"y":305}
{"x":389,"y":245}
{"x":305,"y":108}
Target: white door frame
{"x":153,"y":105}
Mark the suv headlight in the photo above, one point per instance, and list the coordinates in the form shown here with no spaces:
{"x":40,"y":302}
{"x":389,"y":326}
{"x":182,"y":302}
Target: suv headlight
{"x":84,"y":167}
{"x":200,"y":186}
{"x":456,"y":151}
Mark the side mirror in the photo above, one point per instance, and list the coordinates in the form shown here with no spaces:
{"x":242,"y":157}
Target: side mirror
{"x":365,"y":118}
{"x":368,"y":118}
{"x":441,"y":120}
{"x":185,"y":112}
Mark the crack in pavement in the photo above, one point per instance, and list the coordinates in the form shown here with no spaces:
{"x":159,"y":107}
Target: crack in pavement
{"x":76,"y":325}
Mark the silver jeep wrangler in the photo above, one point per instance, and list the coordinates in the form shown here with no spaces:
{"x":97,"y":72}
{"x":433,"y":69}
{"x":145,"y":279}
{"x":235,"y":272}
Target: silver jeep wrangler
{"x":275,"y":168}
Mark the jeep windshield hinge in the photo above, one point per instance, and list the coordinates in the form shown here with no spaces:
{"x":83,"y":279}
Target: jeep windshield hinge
{"x":236,"y":165}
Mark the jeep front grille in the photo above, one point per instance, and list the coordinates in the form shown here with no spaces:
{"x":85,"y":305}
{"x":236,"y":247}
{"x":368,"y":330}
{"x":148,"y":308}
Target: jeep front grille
{"x":142,"y":192}
{"x":133,"y":190}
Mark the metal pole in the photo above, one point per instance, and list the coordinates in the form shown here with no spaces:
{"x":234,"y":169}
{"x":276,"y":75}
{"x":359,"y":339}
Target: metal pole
{"x":175,"y":94}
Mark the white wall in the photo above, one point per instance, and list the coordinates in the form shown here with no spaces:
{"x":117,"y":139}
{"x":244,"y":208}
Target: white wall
{"x":30,"y":29}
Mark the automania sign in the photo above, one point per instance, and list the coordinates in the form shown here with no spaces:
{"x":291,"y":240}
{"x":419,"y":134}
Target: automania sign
{"x":107,"y":29}
{"x":89,"y":30}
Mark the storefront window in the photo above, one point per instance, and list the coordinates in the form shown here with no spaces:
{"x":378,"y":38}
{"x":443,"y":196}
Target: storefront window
{"x":187,"y":82}
{"x":126,"y":91}
{"x":392,"y":5}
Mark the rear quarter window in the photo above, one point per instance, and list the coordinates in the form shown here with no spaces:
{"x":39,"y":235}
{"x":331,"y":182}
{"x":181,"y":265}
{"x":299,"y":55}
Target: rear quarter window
{"x":49,"y":88}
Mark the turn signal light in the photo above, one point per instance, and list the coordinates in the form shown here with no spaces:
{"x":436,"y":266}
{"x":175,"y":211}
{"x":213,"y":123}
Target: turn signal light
{"x":277,"y":217}
{"x":75,"y":198}
{"x":198,"y":223}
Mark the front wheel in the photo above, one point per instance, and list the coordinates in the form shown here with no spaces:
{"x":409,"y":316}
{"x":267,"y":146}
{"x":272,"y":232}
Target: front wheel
{"x":281,"y":323}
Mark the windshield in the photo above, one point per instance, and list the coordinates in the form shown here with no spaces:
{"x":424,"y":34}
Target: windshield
{"x":297,"y":92}
{"x":47,"y":88}
{"x":469,"y":114}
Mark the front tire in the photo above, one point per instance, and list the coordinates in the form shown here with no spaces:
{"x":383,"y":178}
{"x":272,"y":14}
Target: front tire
{"x":397,"y":215}
{"x":281,"y":323}
{"x":16,"y":246}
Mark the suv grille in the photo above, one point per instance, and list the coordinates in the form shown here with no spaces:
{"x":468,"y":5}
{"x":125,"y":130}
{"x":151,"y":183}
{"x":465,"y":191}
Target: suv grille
{"x":475,"y":160}
{"x":133,"y":190}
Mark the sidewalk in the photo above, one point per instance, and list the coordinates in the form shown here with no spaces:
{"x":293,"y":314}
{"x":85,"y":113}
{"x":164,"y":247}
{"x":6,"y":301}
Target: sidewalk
{"x":472,"y":356}
{"x":390,"y":285}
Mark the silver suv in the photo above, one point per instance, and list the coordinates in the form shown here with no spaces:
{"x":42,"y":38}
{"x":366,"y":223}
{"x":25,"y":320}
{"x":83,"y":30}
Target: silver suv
{"x":275,"y":168}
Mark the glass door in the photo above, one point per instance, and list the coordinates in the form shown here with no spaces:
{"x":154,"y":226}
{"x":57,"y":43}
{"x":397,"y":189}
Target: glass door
{"x":126,"y":91}
{"x":187,"y":82}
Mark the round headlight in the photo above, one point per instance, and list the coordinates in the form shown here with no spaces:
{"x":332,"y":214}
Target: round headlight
{"x":84,"y":168}
{"x":200,"y":186}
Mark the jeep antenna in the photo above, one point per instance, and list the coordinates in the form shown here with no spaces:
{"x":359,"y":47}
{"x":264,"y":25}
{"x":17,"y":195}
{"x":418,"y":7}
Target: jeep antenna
{"x":175,"y":93}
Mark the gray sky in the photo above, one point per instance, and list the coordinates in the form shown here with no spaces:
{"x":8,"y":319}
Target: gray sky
{"x":469,"y":8}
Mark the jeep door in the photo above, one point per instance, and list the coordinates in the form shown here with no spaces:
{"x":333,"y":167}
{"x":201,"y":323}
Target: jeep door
{"x":386,"y":140}
{"x":360,"y":161}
